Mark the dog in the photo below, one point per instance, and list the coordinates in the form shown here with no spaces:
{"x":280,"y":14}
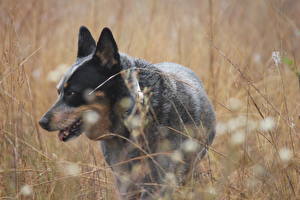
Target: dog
{"x":154,"y":121}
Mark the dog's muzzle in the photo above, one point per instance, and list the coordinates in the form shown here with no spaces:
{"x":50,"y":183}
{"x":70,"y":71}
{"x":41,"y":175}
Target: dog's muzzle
{"x":45,"y":122}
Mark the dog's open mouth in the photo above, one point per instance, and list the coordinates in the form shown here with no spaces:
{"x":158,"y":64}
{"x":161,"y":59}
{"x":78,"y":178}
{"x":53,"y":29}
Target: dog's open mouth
{"x":71,"y":131}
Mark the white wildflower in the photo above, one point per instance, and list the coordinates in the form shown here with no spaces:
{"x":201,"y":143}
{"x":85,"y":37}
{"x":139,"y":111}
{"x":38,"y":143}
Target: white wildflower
{"x":134,"y":122}
{"x":190,"y":145}
{"x":242,"y":120}
{"x":221,"y":128}
{"x":292,"y":125}
{"x":136,"y":133}
{"x":124,"y":178}
{"x":126,"y":103}
{"x":26,"y":190}
{"x":256,"y":58}
{"x":236,"y":123}
{"x":234,"y":104}
{"x":211,"y":190}
{"x":267,"y":124}
{"x":36,"y":73}
{"x":54,"y":156}
{"x":237,"y":138}
{"x":88,"y":95}
{"x":54,"y":75}
{"x":276,"y":57}
{"x":233,"y":124}
{"x":71,"y":169}
{"x":136,"y":170}
{"x":91,"y":117}
{"x":177,"y":156}
{"x":252,"y":182}
{"x":285,"y":154}
{"x":170,"y":179}
{"x":259,"y":170}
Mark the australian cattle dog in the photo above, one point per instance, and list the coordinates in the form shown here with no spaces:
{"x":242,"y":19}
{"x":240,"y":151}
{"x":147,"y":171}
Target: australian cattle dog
{"x":154,"y":122}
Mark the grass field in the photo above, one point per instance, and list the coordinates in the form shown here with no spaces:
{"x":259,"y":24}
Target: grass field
{"x":246,"y":52}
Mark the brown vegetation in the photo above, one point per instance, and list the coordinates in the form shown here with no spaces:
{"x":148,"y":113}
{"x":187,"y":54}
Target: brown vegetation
{"x":229,"y":44}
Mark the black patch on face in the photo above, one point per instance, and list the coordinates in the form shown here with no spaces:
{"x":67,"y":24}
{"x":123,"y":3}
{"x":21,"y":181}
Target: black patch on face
{"x":86,"y":78}
{"x":103,"y":63}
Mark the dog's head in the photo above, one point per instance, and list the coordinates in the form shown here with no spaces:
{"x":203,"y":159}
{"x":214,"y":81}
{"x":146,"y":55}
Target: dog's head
{"x":95,"y":63}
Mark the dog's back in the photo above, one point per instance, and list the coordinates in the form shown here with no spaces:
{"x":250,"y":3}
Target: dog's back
{"x":190,"y":92}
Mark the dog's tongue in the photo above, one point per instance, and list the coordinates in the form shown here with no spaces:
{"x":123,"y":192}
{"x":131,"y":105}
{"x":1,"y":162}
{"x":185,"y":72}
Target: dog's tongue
{"x":61,"y":135}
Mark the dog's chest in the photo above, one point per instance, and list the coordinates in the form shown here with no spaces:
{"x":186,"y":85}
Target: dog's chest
{"x":117,"y":154}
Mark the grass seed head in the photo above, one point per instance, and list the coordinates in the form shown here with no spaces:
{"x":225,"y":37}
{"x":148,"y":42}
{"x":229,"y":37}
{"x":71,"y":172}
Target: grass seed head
{"x":26,"y":190}
{"x":267,"y":124}
{"x":285,"y":154}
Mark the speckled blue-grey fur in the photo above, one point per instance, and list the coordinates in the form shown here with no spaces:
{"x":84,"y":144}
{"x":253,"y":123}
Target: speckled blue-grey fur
{"x":178,"y":100}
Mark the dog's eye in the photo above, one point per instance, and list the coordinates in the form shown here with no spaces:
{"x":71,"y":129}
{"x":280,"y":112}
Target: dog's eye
{"x":70,"y":93}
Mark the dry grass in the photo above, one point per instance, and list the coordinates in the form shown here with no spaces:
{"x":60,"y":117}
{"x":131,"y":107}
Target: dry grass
{"x":229,"y":44}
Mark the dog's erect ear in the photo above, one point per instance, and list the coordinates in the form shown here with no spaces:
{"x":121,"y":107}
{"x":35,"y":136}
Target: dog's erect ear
{"x":86,"y":43}
{"x":107,"y":50}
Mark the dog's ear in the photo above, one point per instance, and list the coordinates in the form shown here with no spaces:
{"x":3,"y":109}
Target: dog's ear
{"x":86,"y":42}
{"x":107,"y":50}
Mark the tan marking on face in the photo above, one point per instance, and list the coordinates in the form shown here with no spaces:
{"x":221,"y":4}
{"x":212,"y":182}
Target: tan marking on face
{"x":99,"y":94}
{"x":101,"y":127}
{"x":65,"y":84}
{"x":63,"y":118}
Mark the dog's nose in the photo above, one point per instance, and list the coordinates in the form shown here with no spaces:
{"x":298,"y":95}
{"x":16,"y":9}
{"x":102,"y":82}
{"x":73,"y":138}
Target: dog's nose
{"x":44,"y":123}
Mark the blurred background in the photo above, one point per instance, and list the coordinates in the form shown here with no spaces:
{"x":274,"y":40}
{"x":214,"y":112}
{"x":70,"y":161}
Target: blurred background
{"x":246,"y":52}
